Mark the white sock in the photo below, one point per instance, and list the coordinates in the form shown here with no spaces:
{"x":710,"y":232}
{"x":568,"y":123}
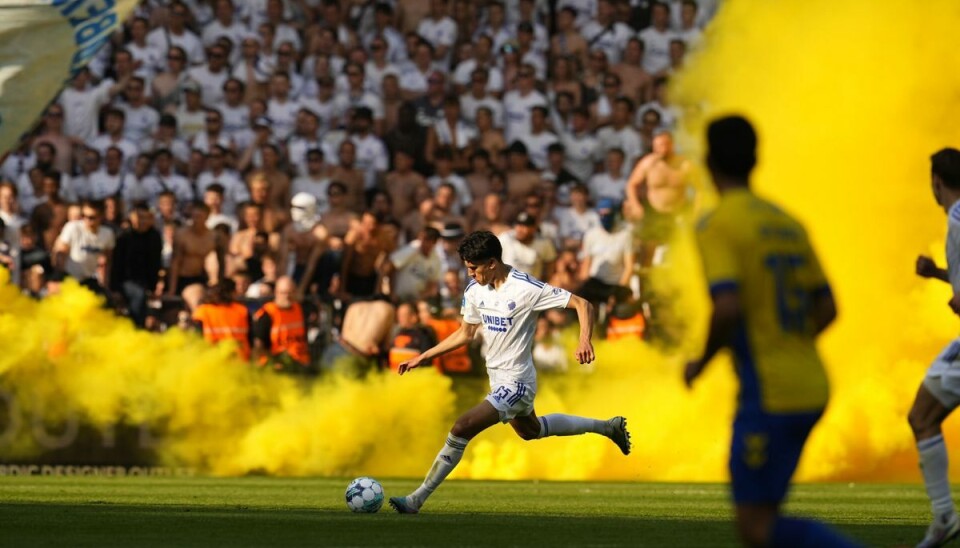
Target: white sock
{"x":558,"y":424}
{"x":933,"y":464}
{"x":446,"y":461}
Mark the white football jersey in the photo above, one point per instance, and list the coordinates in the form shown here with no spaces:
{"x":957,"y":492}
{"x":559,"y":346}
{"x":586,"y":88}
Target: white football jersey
{"x":953,"y":246}
{"x":509,"y":319}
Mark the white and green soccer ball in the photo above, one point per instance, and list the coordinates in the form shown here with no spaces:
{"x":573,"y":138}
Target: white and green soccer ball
{"x":364,"y":495}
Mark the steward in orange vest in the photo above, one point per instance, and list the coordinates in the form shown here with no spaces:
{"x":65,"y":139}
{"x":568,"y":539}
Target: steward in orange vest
{"x":280,"y":332}
{"x":410,"y":337}
{"x":626,"y":322}
{"x":222,"y":318}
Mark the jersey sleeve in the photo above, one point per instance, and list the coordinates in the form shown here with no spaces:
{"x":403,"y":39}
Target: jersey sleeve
{"x":551,"y":297}
{"x":468,"y":309}
{"x":953,"y":247}
{"x":719,"y":255}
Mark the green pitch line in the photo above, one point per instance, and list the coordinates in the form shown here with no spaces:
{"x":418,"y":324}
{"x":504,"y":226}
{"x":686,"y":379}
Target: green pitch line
{"x":311,"y":512}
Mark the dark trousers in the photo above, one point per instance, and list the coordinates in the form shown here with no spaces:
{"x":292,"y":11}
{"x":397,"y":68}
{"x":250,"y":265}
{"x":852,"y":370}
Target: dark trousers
{"x":136,"y":297}
{"x":597,"y":291}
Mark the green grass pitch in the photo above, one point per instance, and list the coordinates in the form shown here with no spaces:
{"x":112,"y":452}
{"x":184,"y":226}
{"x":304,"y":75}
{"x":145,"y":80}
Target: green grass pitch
{"x":258,"y":511}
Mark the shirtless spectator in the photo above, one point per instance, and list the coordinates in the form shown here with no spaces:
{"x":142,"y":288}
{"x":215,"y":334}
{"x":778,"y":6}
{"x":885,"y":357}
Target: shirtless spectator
{"x":350,"y":176}
{"x":660,"y":181}
{"x":363,"y":255}
{"x":363,"y":338}
{"x":241,"y":248}
{"x":271,"y":215}
{"x":635,"y":82}
{"x":492,"y":217}
{"x":522,"y":178}
{"x":567,"y":41}
{"x":338,"y":219}
{"x":658,"y":191}
{"x":278,"y":182}
{"x":403,"y":183}
{"x":192,"y":246}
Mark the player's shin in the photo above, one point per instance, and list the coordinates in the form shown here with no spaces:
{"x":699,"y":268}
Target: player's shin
{"x":933,"y":464}
{"x":446,"y":461}
{"x":558,"y":424}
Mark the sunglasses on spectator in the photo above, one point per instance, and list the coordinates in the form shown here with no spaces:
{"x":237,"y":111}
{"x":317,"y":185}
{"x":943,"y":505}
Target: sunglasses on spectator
{"x":93,"y":217}
{"x":216,"y":55}
{"x":215,"y":156}
{"x":526,"y":75}
{"x":376,"y":47}
{"x":213,"y":120}
{"x":284,"y":53}
{"x":175,"y":57}
{"x":231,"y":89}
{"x":55,"y":114}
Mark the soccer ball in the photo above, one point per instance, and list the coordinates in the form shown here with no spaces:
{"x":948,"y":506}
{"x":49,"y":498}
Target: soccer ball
{"x":364,"y":495}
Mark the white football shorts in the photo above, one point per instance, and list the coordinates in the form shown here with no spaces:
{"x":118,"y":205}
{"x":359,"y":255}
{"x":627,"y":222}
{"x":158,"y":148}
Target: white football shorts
{"x":943,"y":376}
{"x":512,"y":399}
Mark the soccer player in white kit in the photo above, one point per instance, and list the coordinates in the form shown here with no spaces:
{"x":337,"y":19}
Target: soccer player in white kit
{"x":502,"y":303}
{"x":939,"y":394}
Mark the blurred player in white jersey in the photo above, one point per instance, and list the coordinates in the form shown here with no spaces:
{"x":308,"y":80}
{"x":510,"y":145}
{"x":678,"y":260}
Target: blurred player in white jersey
{"x":939,"y":394}
{"x":503,"y":303}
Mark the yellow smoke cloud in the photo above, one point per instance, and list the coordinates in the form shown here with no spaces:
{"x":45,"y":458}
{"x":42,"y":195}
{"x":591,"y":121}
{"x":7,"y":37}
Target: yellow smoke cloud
{"x":849,"y":98}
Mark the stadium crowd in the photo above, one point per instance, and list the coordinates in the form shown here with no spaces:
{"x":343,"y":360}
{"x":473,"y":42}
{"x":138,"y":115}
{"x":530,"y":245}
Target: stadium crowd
{"x":296,"y":174}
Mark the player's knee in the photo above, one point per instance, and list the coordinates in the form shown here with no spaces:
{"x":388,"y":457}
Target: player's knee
{"x":922,"y":424}
{"x":463,"y":428}
{"x":528,"y":435}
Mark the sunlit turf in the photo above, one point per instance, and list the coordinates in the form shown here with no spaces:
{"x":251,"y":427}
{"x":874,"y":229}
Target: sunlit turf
{"x":257,"y":511}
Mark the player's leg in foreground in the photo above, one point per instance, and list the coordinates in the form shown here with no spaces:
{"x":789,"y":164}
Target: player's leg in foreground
{"x":531,"y":427}
{"x":471,"y":423}
{"x":763,"y":456}
{"x":926,"y":415}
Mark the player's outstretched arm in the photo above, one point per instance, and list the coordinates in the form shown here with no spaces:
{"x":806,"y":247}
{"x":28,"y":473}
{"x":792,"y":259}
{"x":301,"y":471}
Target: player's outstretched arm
{"x":458,"y":338}
{"x":585,"y":315}
{"x":723,"y":321}
{"x":927,"y":268}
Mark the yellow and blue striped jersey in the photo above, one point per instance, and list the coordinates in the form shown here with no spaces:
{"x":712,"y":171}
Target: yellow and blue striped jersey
{"x":749,"y":244}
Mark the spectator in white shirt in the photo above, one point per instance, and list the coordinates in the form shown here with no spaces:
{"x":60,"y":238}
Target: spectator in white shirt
{"x":414,"y":269}
{"x":538,"y":139}
{"x":582,"y":147}
{"x":113,"y":136}
{"x":372,"y":156}
{"x":82,"y":101}
{"x":107,"y":181}
{"x":444,"y":174}
{"x":606,"y":33}
{"x":611,"y":183}
{"x":479,"y":96}
{"x":141,"y":119}
{"x":383,"y":26}
{"x":620,"y":134}
{"x":607,"y":257}
{"x":150,"y":59}
{"x":82,"y":243}
{"x":574,"y":221}
{"x":212,"y":75}
{"x":527,"y":251}
{"x":439,"y":29}
{"x":281,"y":108}
{"x":483,"y":58}
{"x":358,"y":96}
{"x":518,"y":103}
{"x":315,"y":179}
{"x":176,"y":33}
{"x":225,"y":24}
{"x":165,"y":179}
{"x":213,"y":134}
{"x":656,"y":39}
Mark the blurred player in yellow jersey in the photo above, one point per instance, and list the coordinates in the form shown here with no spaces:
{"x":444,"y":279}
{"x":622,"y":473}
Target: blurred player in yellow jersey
{"x":939,"y":394}
{"x":770,"y":301}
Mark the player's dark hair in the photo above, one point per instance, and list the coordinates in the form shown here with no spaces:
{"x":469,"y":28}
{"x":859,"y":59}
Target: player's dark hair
{"x":479,"y":247}
{"x":732,"y":147}
{"x":945,"y":164}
